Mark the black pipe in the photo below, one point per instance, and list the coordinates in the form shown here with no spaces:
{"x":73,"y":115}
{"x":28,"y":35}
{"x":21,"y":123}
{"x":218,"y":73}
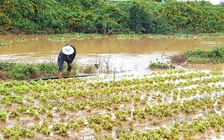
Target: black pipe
{"x":55,"y":77}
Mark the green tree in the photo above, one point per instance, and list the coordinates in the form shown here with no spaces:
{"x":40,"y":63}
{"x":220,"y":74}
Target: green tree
{"x":142,"y":19}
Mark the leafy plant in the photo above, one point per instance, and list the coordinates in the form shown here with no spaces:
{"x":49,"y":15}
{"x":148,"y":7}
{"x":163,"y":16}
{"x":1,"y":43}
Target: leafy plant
{"x":17,"y":131}
{"x":3,"y":115}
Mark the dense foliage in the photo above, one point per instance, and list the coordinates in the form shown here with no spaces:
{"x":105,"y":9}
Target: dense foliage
{"x":106,"y":17}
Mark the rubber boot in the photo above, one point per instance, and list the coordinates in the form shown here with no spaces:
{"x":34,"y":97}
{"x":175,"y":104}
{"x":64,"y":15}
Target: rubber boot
{"x":68,"y":74}
{"x":59,"y":75}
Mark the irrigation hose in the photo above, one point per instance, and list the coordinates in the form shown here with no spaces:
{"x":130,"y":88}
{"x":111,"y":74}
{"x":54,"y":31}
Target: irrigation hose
{"x":55,"y":77}
{"x":168,"y":47}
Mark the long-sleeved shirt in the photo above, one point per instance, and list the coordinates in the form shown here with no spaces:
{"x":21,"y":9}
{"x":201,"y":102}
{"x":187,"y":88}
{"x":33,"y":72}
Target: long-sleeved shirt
{"x":68,"y":58}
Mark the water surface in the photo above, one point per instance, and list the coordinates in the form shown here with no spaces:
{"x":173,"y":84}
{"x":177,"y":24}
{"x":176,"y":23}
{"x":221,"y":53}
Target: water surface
{"x":127,"y":54}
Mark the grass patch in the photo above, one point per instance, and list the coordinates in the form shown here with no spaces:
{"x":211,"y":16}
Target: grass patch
{"x":16,"y":71}
{"x":215,"y":55}
{"x":198,"y":56}
{"x":199,"y":60}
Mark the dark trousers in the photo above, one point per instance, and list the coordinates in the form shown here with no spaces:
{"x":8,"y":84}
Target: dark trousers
{"x":61,"y":63}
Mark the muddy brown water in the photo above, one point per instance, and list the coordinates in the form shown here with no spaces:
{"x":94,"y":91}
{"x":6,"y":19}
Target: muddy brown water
{"x":121,"y":54}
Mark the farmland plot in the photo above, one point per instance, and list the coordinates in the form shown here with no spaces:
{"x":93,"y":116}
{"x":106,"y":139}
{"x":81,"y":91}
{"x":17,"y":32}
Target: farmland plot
{"x":172,"y":104}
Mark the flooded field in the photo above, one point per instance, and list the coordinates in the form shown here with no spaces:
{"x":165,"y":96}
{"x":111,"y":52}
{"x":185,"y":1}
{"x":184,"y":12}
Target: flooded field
{"x":173,"y":104}
{"x":131,"y":103}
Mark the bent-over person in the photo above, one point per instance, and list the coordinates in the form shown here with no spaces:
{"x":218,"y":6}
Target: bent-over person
{"x":67,"y":54}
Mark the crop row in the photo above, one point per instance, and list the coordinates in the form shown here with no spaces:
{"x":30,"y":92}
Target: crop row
{"x":179,"y":130}
{"x":119,"y":107}
{"x":103,"y":97}
{"x":114,"y":101}
{"x":155,"y":83}
{"x":183,"y":129}
{"x":120,"y":118}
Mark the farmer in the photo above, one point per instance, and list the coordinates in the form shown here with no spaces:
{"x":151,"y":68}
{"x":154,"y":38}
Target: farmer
{"x":67,"y":54}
